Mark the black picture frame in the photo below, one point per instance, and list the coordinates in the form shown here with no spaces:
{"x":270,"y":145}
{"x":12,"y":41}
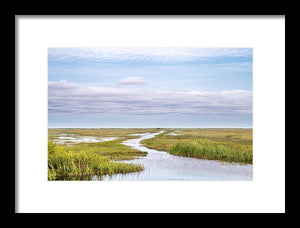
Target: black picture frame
{"x":11,"y":47}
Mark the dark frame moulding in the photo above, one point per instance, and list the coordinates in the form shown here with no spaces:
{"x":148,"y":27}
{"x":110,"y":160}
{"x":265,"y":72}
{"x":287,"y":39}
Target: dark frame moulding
{"x":12,"y":12}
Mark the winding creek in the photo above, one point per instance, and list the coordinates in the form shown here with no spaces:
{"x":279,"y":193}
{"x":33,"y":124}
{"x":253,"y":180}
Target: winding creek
{"x":161,"y":165}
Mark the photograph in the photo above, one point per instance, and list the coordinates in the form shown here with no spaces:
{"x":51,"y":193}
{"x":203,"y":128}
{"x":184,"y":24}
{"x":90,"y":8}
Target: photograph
{"x":150,"y":114}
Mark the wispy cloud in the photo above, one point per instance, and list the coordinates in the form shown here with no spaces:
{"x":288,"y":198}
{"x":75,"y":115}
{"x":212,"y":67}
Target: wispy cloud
{"x":65,"y":97}
{"x":145,"y":54}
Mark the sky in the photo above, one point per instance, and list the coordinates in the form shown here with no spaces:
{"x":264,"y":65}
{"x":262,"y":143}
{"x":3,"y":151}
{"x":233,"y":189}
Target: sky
{"x":150,"y":87}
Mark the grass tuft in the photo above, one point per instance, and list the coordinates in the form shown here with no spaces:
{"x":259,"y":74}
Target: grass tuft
{"x":63,"y":161}
{"x":206,"y":149}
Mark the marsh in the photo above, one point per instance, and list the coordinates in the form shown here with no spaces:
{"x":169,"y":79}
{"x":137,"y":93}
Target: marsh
{"x":129,"y":147}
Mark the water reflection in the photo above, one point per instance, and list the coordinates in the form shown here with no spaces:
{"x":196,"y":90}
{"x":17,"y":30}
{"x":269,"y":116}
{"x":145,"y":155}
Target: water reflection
{"x":121,"y":176}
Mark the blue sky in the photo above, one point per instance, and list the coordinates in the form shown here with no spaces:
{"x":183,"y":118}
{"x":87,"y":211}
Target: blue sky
{"x":150,"y":87}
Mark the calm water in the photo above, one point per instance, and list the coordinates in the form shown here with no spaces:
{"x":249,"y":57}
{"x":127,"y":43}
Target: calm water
{"x":163,"y":166}
{"x":67,"y":139}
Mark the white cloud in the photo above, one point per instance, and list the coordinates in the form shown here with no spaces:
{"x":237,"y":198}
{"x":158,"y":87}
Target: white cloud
{"x":70,"y":98}
{"x":133,"y":81}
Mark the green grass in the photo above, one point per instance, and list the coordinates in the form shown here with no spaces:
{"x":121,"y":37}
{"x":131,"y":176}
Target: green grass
{"x":82,"y":159}
{"x":228,"y":145}
{"x":112,"y":150}
{"x":206,"y":149}
{"x":85,"y":160}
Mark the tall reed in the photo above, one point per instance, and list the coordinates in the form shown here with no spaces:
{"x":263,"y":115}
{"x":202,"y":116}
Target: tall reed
{"x":206,"y":149}
{"x":62,"y":161}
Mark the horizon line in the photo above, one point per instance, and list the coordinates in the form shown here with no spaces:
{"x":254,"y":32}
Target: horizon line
{"x":150,"y":127}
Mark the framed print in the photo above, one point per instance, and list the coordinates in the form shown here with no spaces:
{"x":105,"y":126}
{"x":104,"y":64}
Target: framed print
{"x":132,"y":112}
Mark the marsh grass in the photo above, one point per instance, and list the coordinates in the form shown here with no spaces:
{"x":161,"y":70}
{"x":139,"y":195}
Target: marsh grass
{"x":64,"y":161}
{"x":229,"y":145}
{"x":112,"y":150}
{"x":206,"y":149}
{"x":81,"y":159}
